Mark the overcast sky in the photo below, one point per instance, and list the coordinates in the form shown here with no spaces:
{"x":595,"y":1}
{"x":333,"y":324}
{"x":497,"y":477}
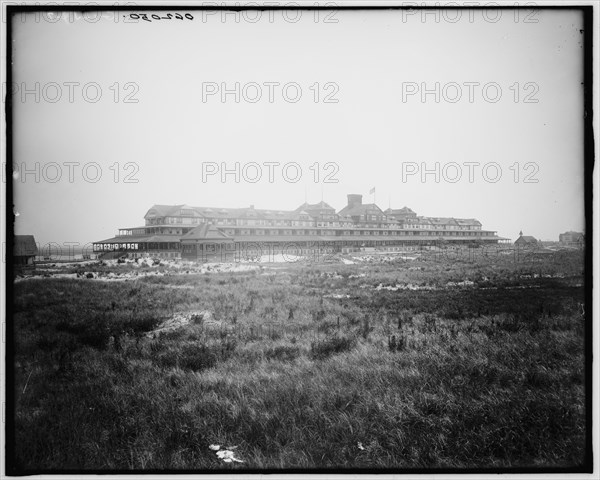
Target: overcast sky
{"x":516,"y":132}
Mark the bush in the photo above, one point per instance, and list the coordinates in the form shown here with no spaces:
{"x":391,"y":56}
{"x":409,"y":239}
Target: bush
{"x":198,"y":358}
{"x":331,"y":346}
{"x":195,"y":357}
{"x":97,"y":336}
{"x":282,"y":353}
{"x":138,"y":325}
{"x":94,"y":332}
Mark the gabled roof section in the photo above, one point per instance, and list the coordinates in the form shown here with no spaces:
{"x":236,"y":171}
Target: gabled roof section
{"x":277,"y":215}
{"x":247,"y":213}
{"x":206,"y":232}
{"x":467,"y":221}
{"x":186,"y":211}
{"x":400,"y":211}
{"x":527,"y":239}
{"x":162,"y":210}
{"x":302,"y":212}
{"x":442,"y":220}
{"x":213,"y":212}
{"x":308,"y":207}
{"x":303,"y":207}
{"x":25,"y":246}
{"x":362,"y":209}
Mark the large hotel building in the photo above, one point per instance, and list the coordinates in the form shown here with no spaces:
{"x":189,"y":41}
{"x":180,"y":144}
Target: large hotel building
{"x":230,"y":234}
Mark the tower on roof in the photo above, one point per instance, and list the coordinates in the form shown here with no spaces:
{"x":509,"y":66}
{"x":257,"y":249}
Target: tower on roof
{"x":354,"y":199}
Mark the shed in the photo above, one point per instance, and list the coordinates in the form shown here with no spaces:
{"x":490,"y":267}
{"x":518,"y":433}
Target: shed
{"x":525,"y":241}
{"x":25,"y":250}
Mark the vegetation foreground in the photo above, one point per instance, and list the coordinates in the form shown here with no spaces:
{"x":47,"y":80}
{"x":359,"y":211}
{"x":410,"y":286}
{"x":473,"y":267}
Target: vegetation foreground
{"x":418,"y":364}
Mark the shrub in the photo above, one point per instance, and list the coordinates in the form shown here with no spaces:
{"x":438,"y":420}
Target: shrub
{"x":190,"y":357}
{"x":366,"y":328}
{"x":397,"y":344}
{"x":139,"y":325}
{"x":331,"y":346}
{"x":194,"y":356}
{"x":93,"y":332}
{"x":198,"y":357}
{"x":282,"y":353}
{"x":172,"y":334}
{"x":157,"y":346}
{"x":97,"y":336}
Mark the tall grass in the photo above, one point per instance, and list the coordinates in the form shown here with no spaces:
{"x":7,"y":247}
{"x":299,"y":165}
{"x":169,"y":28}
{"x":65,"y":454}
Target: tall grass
{"x":473,"y":377}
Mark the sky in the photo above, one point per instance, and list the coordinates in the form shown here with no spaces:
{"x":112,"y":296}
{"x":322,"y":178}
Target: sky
{"x":471,"y":117}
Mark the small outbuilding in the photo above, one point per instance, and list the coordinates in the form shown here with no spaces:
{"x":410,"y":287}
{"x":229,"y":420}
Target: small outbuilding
{"x":25,"y":250}
{"x":572,"y":238}
{"x":525,"y":240}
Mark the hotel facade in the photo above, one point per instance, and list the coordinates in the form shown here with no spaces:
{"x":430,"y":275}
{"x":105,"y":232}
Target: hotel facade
{"x":233,"y":234}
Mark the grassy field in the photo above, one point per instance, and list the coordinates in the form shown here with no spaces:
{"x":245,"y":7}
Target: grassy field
{"x":431,"y":363}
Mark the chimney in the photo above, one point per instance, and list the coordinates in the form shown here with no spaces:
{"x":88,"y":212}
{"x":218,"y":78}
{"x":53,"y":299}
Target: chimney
{"x":354,"y":199}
